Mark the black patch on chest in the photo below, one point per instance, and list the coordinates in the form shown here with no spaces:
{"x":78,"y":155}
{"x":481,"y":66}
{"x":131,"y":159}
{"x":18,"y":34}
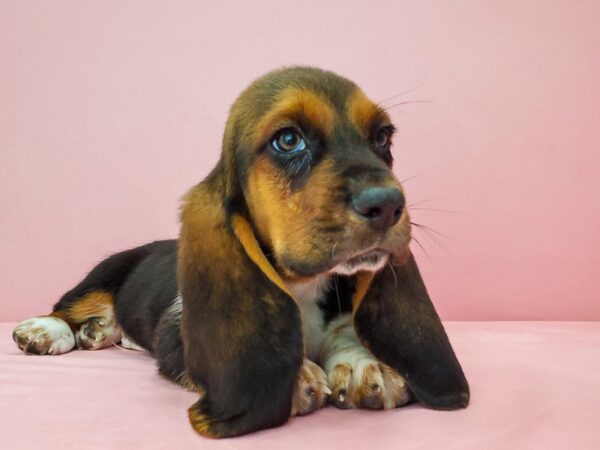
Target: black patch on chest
{"x":338,"y":298}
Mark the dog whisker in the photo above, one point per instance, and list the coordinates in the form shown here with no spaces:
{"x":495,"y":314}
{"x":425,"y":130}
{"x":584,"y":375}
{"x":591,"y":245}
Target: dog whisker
{"x":425,"y":201}
{"x":380,"y":103}
{"x":335,"y":284}
{"x":422,"y":248}
{"x":447,"y":211}
{"x":333,"y":249}
{"x":405,"y":103}
{"x":393,"y":273}
{"x":418,"y":243}
{"x":433,"y":230}
{"x":433,"y":238}
{"x":337,"y":293}
{"x":411,"y":178}
{"x":429,"y":233}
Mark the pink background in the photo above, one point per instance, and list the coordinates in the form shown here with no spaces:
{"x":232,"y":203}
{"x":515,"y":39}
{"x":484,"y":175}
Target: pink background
{"x":110,"y":110}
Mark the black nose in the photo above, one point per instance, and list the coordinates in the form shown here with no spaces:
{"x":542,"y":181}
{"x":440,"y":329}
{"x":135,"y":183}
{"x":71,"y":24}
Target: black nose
{"x":381,"y":206}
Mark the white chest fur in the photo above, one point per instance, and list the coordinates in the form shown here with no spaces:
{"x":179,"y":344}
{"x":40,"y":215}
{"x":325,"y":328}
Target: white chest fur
{"x":308,"y":294}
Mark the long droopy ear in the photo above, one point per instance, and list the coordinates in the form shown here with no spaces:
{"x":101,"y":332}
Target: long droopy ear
{"x":241,"y":330}
{"x":395,"y":319}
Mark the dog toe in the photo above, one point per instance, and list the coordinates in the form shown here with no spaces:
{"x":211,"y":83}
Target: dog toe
{"x":44,"y":336}
{"x":311,"y":389}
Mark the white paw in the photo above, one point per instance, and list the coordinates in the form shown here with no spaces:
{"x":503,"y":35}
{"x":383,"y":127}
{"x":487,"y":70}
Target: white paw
{"x":356,"y":378}
{"x":368,"y":384}
{"x":44,"y":336}
{"x":311,"y":389}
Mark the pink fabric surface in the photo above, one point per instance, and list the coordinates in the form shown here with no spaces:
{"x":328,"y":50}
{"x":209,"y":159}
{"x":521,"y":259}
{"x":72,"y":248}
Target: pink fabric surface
{"x":535,"y":385}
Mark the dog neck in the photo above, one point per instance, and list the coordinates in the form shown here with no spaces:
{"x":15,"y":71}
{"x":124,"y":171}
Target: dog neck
{"x":244,"y":232}
{"x":311,"y":289}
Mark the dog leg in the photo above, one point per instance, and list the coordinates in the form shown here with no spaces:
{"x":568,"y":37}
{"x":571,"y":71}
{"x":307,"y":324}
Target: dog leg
{"x":356,"y":378}
{"x":88,"y":322}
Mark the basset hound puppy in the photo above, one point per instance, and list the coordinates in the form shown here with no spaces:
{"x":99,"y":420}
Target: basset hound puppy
{"x":291,"y":283}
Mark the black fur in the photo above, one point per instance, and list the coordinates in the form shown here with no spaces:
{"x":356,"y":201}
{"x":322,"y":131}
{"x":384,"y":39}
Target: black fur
{"x":402,"y":329}
{"x":243,"y":345}
{"x":338,"y":299}
{"x":143,"y":283}
{"x":110,"y":274}
{"x":149,"y":290}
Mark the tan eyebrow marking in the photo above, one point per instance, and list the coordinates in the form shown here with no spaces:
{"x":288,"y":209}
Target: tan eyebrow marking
{"x":363,"y":113}
{"x":295,"y":103}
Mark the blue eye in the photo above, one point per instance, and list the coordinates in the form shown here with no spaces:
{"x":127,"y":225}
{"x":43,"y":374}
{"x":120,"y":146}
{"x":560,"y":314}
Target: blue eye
{"x":288,"y":140}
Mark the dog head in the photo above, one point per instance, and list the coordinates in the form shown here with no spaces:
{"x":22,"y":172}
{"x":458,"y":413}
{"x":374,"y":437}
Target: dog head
{"x":310,"y":163}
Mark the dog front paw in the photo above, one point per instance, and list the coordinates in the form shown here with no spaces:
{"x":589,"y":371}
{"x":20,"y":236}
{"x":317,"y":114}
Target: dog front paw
{"x":367,"y":383}
{"x":356,"y":378}
{"x":311,"y":390}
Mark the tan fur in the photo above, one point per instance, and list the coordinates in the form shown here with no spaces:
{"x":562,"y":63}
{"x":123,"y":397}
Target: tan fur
{"x":94,"y":304}
{"x":202,"y":233}
{"x":243,"y":231}
{"x":362,"y":112}
{"x":202,"y":219}
{"x":283,"y":218}
{"x":340,"y":382}
{"x":311,"y":389}
{"x":201,"y":424}
{"x":295,"y":103}
{"x":368,"y":390}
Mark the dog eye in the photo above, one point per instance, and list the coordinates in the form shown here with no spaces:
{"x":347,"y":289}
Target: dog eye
{"x":288,"y":140}
{"x":382,"y":137}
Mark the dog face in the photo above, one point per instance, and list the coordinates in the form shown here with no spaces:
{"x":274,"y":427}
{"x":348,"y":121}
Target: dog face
{"x":313,"y":159}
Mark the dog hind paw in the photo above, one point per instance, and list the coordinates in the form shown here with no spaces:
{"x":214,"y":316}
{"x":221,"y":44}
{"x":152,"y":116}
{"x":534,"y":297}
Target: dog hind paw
{"x":96,"y":333}
{"x":44,"y":336}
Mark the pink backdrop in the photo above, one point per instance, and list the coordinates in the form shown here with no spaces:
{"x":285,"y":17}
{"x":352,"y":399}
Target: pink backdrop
{"x":110,"y":110}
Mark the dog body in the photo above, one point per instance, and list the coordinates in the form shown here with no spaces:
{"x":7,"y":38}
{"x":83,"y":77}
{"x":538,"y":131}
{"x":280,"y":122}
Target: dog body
{"x":291,"y":280}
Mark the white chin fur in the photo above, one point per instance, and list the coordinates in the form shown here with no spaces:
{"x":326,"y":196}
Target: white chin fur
{"x":350,"y":268}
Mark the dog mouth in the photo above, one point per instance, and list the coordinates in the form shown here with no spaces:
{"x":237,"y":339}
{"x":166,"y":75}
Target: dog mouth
{"x":371,"y":257}
{"x":369,"y":261}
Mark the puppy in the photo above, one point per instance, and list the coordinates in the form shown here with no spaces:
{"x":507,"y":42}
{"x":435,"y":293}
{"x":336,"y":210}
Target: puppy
{"x":292,"y":280}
